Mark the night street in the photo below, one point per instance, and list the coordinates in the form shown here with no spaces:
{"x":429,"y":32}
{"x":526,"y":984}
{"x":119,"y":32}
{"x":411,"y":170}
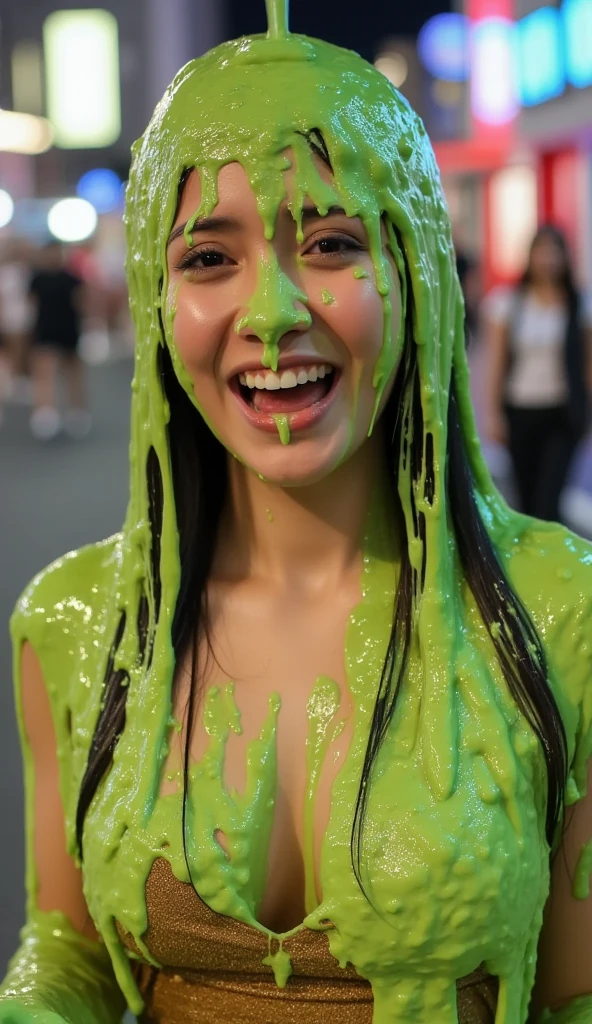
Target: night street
{"x":54,"y":497}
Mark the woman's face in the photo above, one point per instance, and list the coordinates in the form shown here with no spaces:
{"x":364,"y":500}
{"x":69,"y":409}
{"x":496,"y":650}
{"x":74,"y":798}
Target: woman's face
{"x":547,"y":259}
{"x":238,"y":298}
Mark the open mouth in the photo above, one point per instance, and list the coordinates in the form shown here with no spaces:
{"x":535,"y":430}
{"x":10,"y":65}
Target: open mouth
{"x":302,"y":393}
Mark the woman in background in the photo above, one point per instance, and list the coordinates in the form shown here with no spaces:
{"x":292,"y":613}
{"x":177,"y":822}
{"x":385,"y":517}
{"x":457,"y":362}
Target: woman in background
{"x":539,"y":339}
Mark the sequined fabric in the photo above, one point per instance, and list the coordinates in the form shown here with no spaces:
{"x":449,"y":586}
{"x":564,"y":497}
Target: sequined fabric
{"x":213,"y":972}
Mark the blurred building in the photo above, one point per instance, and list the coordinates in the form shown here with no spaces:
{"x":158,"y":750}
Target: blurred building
{"x":96,"y":72}
{"x":525,"y":153}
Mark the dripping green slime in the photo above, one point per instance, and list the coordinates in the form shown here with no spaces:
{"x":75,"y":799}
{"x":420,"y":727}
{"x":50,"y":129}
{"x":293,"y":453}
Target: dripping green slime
{"x":435,"y":881}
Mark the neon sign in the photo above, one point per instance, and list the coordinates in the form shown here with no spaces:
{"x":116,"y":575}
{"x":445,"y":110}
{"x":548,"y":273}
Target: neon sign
{"x":540,"y":57}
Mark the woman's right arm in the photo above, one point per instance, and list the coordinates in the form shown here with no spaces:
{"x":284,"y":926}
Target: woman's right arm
{"x":61,"y":972}
{"x":496,"y":338}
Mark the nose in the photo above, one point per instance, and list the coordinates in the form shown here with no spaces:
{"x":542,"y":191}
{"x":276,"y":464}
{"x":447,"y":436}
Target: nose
{"x":276,"y":308}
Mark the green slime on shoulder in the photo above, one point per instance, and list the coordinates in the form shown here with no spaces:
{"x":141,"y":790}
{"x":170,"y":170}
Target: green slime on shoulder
{"x":459,"y":863}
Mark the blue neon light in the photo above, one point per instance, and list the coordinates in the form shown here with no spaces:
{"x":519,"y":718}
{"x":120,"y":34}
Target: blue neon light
{"x":541,"y":64}
{"x":102,"y":188}
{"x":442,"y":45}
{"x":577,"y":25}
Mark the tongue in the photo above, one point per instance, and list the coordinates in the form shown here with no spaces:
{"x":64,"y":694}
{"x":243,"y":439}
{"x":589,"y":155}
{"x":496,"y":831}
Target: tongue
{"x":289,"y":399}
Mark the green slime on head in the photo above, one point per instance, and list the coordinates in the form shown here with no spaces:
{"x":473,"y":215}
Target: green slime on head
{"x":459,"y":752}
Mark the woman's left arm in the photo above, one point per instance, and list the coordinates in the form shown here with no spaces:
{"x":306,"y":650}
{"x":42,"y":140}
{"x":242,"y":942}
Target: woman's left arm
{"x":563,"y":987}
{"x":588,"y":351}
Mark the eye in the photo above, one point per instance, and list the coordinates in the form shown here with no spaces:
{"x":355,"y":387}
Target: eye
{"x":200,"y":260}
{"x":333,"y":245}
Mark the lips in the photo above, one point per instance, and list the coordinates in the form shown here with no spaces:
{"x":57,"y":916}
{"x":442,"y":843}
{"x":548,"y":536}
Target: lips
{"x":303,"y":404}
{"x":288,"y":401}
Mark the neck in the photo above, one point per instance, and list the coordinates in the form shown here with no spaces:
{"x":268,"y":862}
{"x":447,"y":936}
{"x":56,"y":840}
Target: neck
{"x":304,"y":537}
{"x":547,"y":288}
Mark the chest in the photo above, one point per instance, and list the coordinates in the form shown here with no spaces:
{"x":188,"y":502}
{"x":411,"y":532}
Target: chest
{"x":276,"y":763}
{"x":539,"y":330}
{"x":271,"y":726}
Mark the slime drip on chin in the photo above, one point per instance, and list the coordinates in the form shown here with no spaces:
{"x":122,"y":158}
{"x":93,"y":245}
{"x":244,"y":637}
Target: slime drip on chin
{"x":283,"y":426}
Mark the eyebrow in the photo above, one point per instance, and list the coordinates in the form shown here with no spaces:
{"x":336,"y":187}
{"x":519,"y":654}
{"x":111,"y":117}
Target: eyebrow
{"x":206,"y":224}
{"x":311,"y":213}
{"x":231,"y":224}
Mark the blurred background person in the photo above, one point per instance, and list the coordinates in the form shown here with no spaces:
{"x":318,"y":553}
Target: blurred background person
{"x":539,"y":372}
{"x":15,"y":321}
{"x":58,"y":297}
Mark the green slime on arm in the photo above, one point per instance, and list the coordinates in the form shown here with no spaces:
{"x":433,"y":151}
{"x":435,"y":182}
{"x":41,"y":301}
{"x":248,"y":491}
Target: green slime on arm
{"x":581,"y":883}
{"x":456,"y":810}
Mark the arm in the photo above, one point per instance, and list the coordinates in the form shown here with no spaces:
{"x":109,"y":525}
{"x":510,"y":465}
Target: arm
{"x":588,"y":356}
{"x":61,"y":972}
{"x":563,"y":987}
{"x":497,"y":344}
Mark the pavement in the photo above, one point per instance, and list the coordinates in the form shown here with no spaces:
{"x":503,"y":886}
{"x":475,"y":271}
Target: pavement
{"x":60,"y":495}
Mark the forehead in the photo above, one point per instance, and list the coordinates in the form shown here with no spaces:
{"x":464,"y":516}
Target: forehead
{"x":235,"y":192}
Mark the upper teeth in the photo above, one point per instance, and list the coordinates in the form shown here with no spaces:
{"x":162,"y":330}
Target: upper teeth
{"x":271,"y":381}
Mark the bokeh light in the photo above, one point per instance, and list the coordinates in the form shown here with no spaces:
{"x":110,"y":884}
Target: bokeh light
{"x":102,"y":188}
{"x":443,"y":46}
{"x":72,"y":220}
{"x":393,"y":66}
{"x":6,"y":208}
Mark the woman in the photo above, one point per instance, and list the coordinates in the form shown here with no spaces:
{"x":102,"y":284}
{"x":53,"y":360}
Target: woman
{"x":314,"y":713}
{"x":540,"y":375}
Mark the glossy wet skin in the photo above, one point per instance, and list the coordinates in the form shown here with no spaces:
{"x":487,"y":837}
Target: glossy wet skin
{"x":235,"y":287}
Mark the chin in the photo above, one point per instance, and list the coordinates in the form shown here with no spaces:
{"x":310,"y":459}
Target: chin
{"x":297,"y":464}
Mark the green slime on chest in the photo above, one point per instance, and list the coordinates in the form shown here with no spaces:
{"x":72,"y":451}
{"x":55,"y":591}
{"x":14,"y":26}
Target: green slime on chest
{"x":456,"y":845}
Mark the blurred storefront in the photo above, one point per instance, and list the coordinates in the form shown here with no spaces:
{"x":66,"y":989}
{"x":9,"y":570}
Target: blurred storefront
{"x":78,"y":83}
{"x":526,"y":156}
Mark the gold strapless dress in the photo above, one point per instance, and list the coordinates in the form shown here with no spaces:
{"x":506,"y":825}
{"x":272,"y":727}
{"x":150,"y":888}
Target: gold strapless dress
{"x":213,"y":973}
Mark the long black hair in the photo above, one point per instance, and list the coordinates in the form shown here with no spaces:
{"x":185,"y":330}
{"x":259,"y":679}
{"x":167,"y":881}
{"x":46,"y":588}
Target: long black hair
{"x":196,"y":456}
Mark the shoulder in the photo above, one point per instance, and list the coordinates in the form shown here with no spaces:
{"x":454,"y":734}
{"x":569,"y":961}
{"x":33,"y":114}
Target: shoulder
{"x":65,"y":597}
{"x":550,"y":569}
{"x":498,"y":303}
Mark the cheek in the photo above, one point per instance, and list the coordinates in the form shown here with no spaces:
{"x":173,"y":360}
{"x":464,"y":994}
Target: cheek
{"x":195,"y":330}
{"x":357,"y":317}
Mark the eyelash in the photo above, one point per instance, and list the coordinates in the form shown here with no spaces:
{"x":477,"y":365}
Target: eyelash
{"x":189,"y":261}
{"x":349,"y":243}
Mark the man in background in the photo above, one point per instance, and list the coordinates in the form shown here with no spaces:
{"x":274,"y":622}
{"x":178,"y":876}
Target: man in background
{"x":58,"y":297}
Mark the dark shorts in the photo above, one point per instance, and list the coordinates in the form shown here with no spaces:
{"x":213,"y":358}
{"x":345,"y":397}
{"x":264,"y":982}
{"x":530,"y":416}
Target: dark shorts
{"x":67,"y":343}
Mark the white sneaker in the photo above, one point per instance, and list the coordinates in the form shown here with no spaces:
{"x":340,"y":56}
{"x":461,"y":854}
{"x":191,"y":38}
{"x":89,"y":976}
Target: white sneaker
{"x":77,"y":424}
{"x":45,"y":423}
